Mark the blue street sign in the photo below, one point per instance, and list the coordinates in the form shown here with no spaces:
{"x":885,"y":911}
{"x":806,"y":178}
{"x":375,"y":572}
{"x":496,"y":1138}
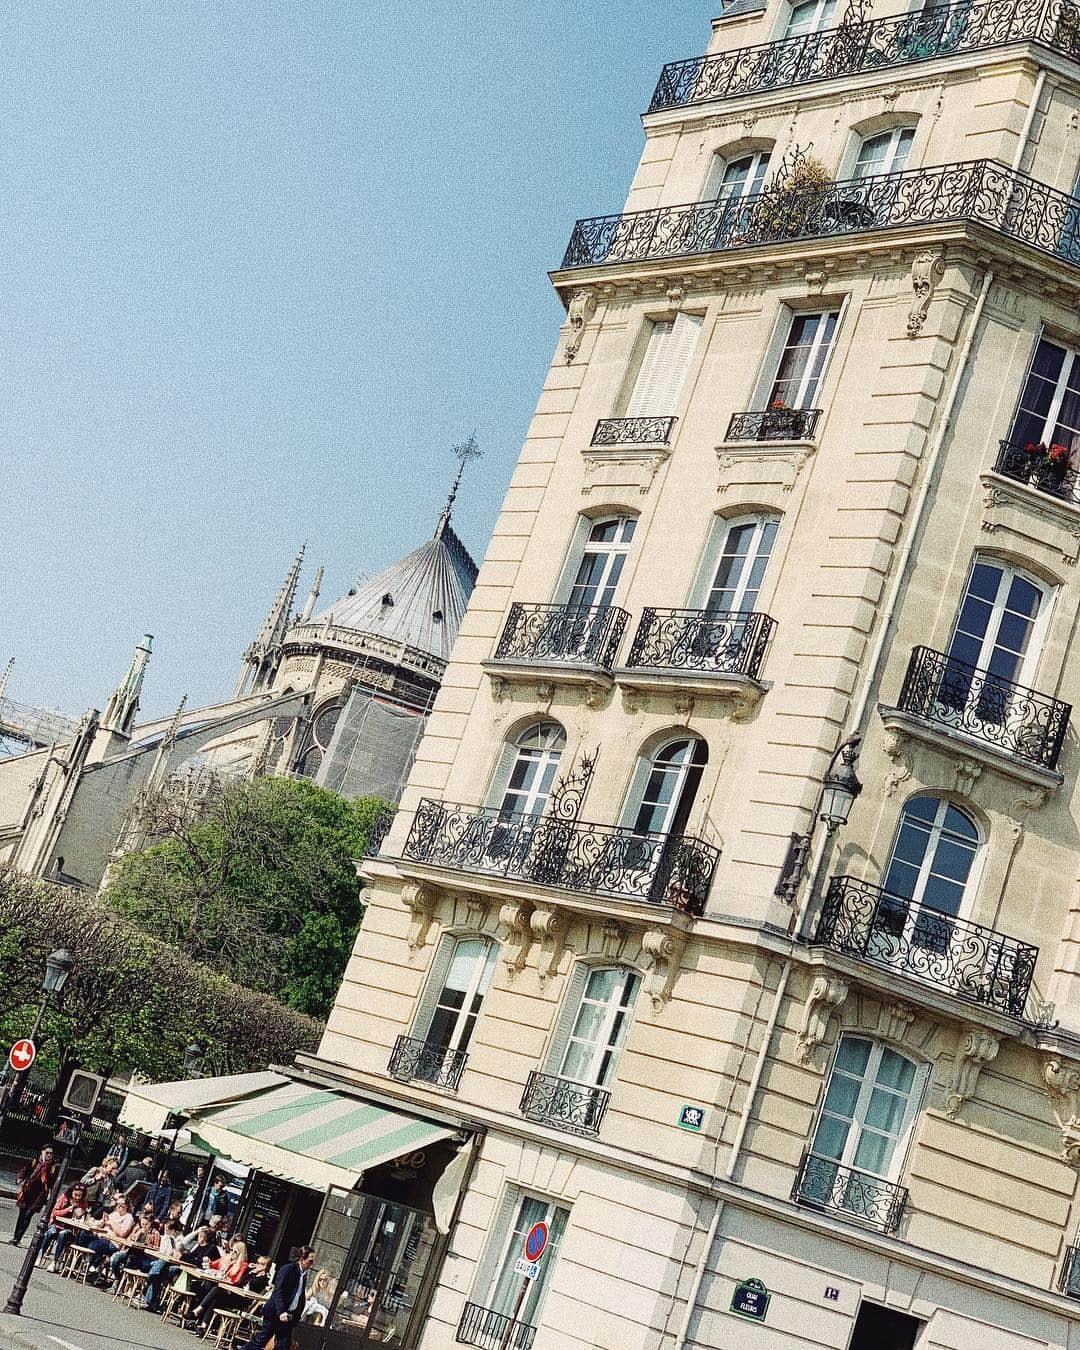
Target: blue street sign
{"x":751,"y":1300}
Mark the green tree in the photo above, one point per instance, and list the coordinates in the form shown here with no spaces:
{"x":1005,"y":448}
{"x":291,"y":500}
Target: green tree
{"x":262,"y":887}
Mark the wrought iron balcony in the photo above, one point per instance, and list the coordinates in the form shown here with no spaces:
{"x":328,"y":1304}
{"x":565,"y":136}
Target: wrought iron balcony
{"x":493,"y":1331}
{"x":658,"y":869}
{"x":945,"y":30}
{"x":634,"y":430}
{"x":565,"y":635}
{"x":978,"y":192}
{"x":416,"y":1059}
{"x":952,"y":694}
{"x":824,"y":1184}
{"x":1026,"y":465}
{"x":573,"y":1107}
{"x":713,"y":642}
{"x":974,"y":963}
{"x":774,"y":424}
{"x":1069,"y":1277}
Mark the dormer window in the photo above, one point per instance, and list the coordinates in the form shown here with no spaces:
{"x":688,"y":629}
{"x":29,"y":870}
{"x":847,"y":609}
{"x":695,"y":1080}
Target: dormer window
{"x":437,"y":615}
{"x":387,"y":601}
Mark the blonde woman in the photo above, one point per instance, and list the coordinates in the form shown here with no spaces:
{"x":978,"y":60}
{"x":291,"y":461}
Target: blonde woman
{"x":232,"y":1269}
{"x":319,"y":1298}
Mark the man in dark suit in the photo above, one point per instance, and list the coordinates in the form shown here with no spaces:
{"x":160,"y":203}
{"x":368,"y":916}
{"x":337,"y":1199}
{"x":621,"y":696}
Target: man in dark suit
{"x":285,"y":1304}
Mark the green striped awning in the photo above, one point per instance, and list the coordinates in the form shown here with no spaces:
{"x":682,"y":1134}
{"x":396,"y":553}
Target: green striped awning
{"x":312,"y":1136}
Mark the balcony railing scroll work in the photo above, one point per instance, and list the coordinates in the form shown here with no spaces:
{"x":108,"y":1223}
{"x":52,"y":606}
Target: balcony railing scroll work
{"x":562,"y":635}
{"x":961,"y":958}
{"x":577,"y":1108}
{"x":633,"y":431}
{"x":976,"y":192}
{"x":1069,"y":1277}
{"x":701,"y":640}
{"x":417,"y":1060}
{"x":875,"y":45}
{"x":822,"y":1183}
{"x":656,"y":869}
{"x":774,"y":424}
{"x":1031,"y":464}
{"x":955,"y":696}
{"x":491,"y":1330}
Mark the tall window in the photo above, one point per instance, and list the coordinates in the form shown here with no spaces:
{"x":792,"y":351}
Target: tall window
{"x":460,"y":977}
{"x":886,"y":153}
{"x":507,"y":1285}
{"x":1001,"y":621}
{"x":664,"y":366}
{"x":317,"y":741}
{"x":665,"y":787}
{"x":604,"y":1010}
{"x":740,"y":569}
{"x":533,"y":762}
{"x":601,"y":563}
{"x":734,"y":178}
{"x":868,"y":1111}
{"x":1049,"y":409}
{"x":808,"y":16}
{"x":802,"y":361}
{"x":929,"y":870}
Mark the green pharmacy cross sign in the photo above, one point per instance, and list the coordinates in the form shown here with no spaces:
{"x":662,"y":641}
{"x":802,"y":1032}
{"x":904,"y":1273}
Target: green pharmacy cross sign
{"x":750,"y":1300}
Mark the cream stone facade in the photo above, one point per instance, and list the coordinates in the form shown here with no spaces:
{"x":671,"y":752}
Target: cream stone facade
{"x":862,"y":1091}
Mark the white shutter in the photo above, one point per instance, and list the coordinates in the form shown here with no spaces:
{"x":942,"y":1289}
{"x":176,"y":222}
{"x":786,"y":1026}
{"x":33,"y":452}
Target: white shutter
{"x":440,"y":966}
{"x":663,"y":367}
{"x":564,"y":1022}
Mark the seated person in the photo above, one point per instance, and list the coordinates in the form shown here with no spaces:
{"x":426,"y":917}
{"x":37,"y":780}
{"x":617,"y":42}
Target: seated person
{"x":70,"y":1204}
{"x":259,"y":1276}
{"x":119,"y":1223}
{"x":232,"y":1267}
{"x":145,"y":1238}
{"x":319,"y":1297}
{"x":198,"y":1246}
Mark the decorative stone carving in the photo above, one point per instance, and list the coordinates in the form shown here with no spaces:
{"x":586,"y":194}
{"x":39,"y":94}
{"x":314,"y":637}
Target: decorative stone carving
{"x":500,"y":688}
{"x":1063,"y":1088}
{"x":676,"y":295}
{"x":596,"y":695}
{"x":926,"y":272}
{"x":612,"y":939}
{"x":549,"y":928}
{"x":662,"y":949}
{"x":683,"y":704}
{"x":515,"y":917}
{"x":827,"y":995}
{"x":896,"y":744}
{"x":580,"y":310}
{"x":967,"y":775}
{"x":545,"y":690}
{"x":816,"y":278}
{"x":896,"y":1020}
{"x":420,"y":902}
{"x":476,"y":909}
{"x":977,"y":1047}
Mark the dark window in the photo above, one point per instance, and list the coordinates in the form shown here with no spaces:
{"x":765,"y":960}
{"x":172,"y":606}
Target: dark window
{"x":878,"y":1328}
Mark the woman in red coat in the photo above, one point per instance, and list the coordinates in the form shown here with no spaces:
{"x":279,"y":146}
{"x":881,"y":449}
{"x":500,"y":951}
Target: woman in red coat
{"x":35,"y":1183}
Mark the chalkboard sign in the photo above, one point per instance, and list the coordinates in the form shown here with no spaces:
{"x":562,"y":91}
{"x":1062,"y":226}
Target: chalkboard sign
{"x":268,"y":1199}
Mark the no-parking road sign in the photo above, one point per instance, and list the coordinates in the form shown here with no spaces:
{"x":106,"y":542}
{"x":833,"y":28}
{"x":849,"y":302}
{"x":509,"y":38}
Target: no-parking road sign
{"x":536,"y":1241}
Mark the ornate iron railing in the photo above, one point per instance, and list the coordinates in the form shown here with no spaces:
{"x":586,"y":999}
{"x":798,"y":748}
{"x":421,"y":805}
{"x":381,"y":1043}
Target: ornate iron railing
{"x":712,"y":641}
{"x":824,"y":1184}
{"x":774,"y":424}
{"x":379,"y":829}
{"x":878,"y":44}
{"x":975,"y":963}
{"x":658,"y":869}
{"x":416,"y":1059}
{"x":493,"y":1331}
{"x":567,"y":635}
{"x":979,"y":192}
{"x":574,"y":1107}
{"x":1069,"y":1276}
{"x":965,"y":698}
{"x":1017,"y":462}
{"x":634,"y":430}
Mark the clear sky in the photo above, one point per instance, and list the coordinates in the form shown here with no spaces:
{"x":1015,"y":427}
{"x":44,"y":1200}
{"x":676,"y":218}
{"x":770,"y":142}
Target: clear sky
{"x":261,"y":264}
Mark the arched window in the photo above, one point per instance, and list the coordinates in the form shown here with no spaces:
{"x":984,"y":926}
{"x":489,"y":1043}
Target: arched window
{"x":932,"y":856}
{"x":808,"y":16}
{"x":884,"y":153}
{"x":603,"y":553}
{"x":733,"y":178}
{"x":863,"y":1129}
{"x":528,"y":770}
{"x":744,"y":548}
{"x":317,"y":741}
{"x":460,"y":977}
{"x":665,"y":787}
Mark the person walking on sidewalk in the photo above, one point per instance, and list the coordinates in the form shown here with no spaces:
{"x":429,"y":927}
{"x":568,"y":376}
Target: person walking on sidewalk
{"x":35,"y":1182}
{"x":285,"y":1304}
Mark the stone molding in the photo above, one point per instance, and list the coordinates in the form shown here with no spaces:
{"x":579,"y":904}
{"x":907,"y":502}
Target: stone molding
{"x":826,"y":997}
{"x":976,"y":1048}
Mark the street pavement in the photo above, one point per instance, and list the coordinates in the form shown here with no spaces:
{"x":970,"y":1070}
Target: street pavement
{"x":59,"y":1314}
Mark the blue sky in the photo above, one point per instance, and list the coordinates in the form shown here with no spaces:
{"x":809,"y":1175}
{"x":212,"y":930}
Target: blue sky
{"x":260,"y":266}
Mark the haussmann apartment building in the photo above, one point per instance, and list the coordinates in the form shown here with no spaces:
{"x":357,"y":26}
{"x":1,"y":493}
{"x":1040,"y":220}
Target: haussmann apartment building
{"x":732,"y":909}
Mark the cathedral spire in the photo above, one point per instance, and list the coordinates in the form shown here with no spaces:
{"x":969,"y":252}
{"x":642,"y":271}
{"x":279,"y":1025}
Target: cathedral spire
{"x":313,"y":595}
{"x":468,"y":450}
{"x":124,"y":704}
{"x":262,"y":657}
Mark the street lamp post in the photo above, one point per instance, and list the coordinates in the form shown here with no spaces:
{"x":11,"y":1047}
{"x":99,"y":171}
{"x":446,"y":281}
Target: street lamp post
{"x":839,"y":789}
{"x":58,"y":966}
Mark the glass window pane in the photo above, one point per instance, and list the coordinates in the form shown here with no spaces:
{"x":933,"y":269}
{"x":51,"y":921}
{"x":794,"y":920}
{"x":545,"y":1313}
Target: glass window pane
{"x":842,"y":1095}
{"x":831,"y":1137}
{"x":873,"y":1153}
{"x":852,"y":1055}
{"x":895,"y":1071}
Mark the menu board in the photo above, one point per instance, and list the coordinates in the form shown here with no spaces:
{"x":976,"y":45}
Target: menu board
{"x":269,"y":1197}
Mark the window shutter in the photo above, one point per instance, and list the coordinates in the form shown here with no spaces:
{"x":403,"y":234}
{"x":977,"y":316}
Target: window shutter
{"x":567,"y":1016}
{"x":663,"y":368}
{"x":440,"y":965}
{"x":487,"y":1272}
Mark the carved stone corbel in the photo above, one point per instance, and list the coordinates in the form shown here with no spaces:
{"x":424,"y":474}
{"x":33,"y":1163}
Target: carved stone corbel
{"x":595,"y":696}
{"x":515,"y":917}
{"x":968,"y":773}
{"x":549,"y":928}
{"x":1063,"y":1088}
{"x":476,"y":909}
{"x":420,"y":902}
{"x":896,"y":744}
{"x":500,"y":688}
{"x":662,"y":949}
{"x":896,"y":1020}
{"x":977,"y":1047}
{"x":926,"y":272}
{"x":580,"y":310}
{"x":612,"y":939}
{"x":827,"y":995}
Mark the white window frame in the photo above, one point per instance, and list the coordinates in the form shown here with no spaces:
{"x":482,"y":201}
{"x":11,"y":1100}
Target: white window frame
{"x":509,"y":1249}
{"x":642,"y":776}
{"x":713,"y":187}
{"x":614,"y":552}
{"x":715,"y":554}
{"x":1029,"y":664}
{"x":482,"y":974}
{"x":888,"y":163}
{"x":1072,"y":355}
{"x":916,"y":906}
{"x":818,"y":342}
{"x":510,"y":754}
{"x":819,"y":22}
{"x":608,"y":1044}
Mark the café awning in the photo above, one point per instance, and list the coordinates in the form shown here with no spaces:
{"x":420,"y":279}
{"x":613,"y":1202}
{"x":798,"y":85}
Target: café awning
{"x":312,"y":1136}
{"x":147,"y":1106}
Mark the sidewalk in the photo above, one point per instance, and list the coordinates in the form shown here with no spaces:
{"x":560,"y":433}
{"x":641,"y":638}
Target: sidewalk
{"x":59,"y":1314}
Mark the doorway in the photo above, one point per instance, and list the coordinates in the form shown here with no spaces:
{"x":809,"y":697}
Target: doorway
{"x":878,"y":1328}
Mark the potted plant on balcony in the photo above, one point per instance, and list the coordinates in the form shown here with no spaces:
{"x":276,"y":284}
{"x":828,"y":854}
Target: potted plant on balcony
{"x":784,"y":210}
{"x":1047,"y":466}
